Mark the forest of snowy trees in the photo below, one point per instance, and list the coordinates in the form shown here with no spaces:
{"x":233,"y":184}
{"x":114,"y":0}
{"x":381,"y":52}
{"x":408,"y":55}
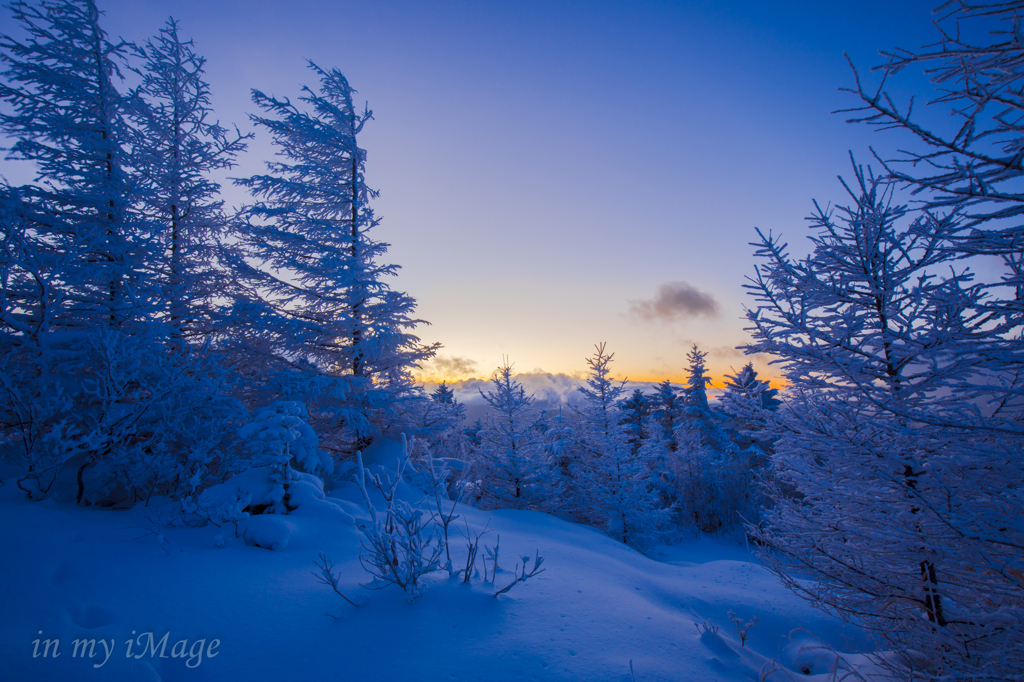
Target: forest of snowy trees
{"x":142,"y":323}
{"x":154,"y":343}
{"x":641,"y":466}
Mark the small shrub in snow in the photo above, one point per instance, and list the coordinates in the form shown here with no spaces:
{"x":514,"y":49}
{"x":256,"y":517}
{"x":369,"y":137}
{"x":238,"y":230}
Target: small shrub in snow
{"x":491,"y":554}
{"x":439,"y":477}
{"x":325,"y":574}
{"x":400,"y":546}
{"x":472,"y":551}
{"x":521,"y":576}
{"x":706,"y":627}
{"x":743,"y":627}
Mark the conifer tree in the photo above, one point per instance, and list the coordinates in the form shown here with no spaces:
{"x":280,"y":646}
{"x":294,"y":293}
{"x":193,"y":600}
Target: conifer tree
{"x":902,"y":488}
{"x":613,"y":478}
{"x":175,"y":148}
{"x":636,"y":415}
{"x":698,"y":416}
{"x":89,"y":382}
{"x":749,"y":404}
{"x":696,"y":391}
{"x":441,"y":424}
{"x":71,"y":235}
{"x":708,"y":482}
{"x":561,"y":446}
{"x":668,"y":411}
{"x":510,"y":458}
{"x":319,"y":306}
{"x":67,"y":117}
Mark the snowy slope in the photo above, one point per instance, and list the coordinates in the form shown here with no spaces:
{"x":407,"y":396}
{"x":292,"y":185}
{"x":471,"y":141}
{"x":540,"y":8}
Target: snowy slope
{"x":71,"y":573}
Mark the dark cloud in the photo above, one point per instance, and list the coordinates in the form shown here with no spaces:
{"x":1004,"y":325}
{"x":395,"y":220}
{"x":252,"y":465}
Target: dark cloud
{"x":675,"y":300}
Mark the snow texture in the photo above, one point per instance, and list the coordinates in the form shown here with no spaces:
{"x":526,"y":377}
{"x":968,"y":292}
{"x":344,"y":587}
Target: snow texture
{"x":91,"y":574}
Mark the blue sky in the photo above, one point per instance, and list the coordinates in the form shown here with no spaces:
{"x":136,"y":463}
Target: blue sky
{"x":545,"y":167}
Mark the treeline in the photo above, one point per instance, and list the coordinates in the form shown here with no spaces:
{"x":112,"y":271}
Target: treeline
{"x":641,"y":466}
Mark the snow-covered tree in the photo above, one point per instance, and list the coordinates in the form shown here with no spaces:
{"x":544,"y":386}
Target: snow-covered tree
{"x":175,"y":147}
{"x":696,"y":390}
{"x":749,"y":404}
{"x":706,"y":424}
{"x":441,"y":422}
{"x":904,"y":492}
{"x":668,"y":411}
{"x":612,"y":478}
{"x":443,"y":394}
{"x":636,"y":416}
{"x":319,"y":309}
{"x":972,"y":164}
{"x":70,"y":241}
{"x":89,"y":380}
{"x":561,"y":445}
{"x":705,"y":476}
{"x":510,"y":460}
{"x":67,"y":117}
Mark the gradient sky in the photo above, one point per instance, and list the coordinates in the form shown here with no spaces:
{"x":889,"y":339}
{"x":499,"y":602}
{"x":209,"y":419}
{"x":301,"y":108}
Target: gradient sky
{"x":545,"y":167}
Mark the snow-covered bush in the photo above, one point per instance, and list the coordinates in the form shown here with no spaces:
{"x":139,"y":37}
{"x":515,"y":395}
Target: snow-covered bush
{"x":283,"y":456}
{"x":279,"y":435}
{"x":131,"y":418}
{"x":401,"y":544}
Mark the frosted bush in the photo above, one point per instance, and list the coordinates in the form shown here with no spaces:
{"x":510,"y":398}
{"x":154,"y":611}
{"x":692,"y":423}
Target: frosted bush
{"x":279,"y":435}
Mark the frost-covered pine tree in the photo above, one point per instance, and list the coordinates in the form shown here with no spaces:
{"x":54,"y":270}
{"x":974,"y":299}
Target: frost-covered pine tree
{"x":695,"y":393}
{"x":612,"y":478}
{"x":974,"y":164}
{"x":318,"y":308}
{"x":972,"y":440}
{"x":706,"y":424}
{"x":70,"y":263}
{"x":749,"y":405}
{"x":441,"y":422}
{"x":712,"y":484}
{"x":905,"y":494}
{"x":175,"y":147}
{"x":561,"y":445}
{"x":90,"y":387}
{"x":637,"y":417}
{"x":668,"y":409}
{"x":509,"y":459}
{"x":67,"y":117}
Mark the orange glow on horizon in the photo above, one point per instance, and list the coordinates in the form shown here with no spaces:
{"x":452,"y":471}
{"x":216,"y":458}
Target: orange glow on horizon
{"x":717,"y":378}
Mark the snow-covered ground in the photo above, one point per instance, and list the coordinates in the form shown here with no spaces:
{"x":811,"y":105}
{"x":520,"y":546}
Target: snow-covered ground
{"x":247,"y":613}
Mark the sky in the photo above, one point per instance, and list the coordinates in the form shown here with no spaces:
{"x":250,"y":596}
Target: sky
{"x":553,"y":174}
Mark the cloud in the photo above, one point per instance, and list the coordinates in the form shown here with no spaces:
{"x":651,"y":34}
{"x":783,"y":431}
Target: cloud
{"x":726,"y":352}
{"x":447,"y":368}
{"x":675,"y":300}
